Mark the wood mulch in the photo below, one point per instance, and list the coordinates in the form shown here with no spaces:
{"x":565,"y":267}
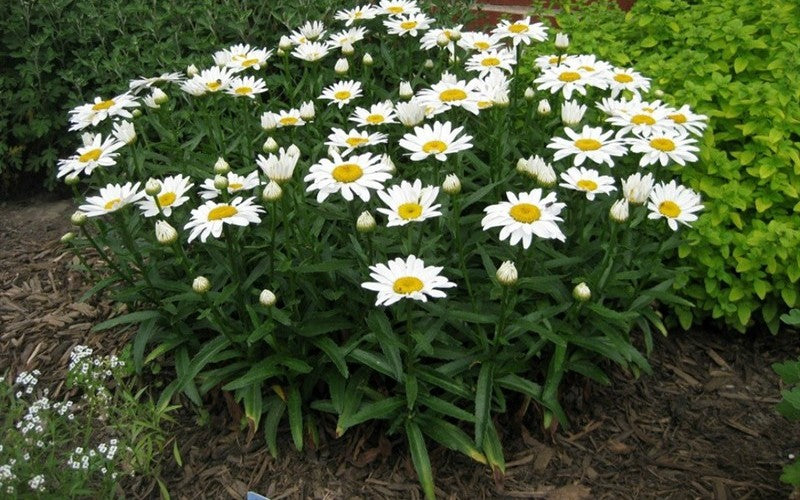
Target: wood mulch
{"x":702,"y":426}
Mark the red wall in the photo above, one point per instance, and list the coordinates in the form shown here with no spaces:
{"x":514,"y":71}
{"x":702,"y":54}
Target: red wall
{"x":490,"y":18}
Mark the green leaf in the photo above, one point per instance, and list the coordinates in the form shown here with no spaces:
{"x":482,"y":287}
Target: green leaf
{"x":134,"y":317}
{"x":376,"y":410}
{"x":271,"y":422}
{"x":334,"y":353}
{"x":443,"y":381}
{"x":419,"y":456}
{"x":791,"y":474}
{"x":520,"y":385}
{"x":411,"y":391}
{"x":294,"y":403}
{"x":740,"y":64}
{"x":788,"y":371}
{"x":372,"y":360}
{"x":146,"y":331}
{"x":388,"y":340}
{"x":257,"y":374}
{"x":203,"y":357}
{"x":445,"y":408}
{"x":493,"y":450}
{"x":450,"y":436}
{"x":483,"y":401}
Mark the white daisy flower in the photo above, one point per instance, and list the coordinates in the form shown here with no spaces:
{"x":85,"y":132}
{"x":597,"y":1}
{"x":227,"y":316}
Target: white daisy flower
{"x":283,"y":118}
{"x":636,"y":187}
{"x":430,"y":39}
{"x":111,"y":198}
{"x":525,"y":215}
{"x":95,"y":112}
{"x":493,"y":89}
{"x":97,"y":153}
{"x":247,"y":86}
{"x":124,"y":131}
{"x":155,"y":98}
{"x":587,"y":180}
{"x":172,"y":194}
{"x":308,"y":32}
{"x":378,"y":114}
{"x":591,"y":65}
{"x":621,"y":79}
{"x":208,"y":218}
{"x":401,"y":279}
{"x":640,"y":117}
{"x":311,"y":51}
{"x":409,"y":202}
{"x":141,"y":83}
{"x":353,"y":139}
{"x":591,"y":142}
{"x":569,"y":79}
{"x":360,"y":13}
{"x":675,"y":203}
{"x":450,"y":92}
{"x":213,"y":79}
{"x":479,"y":41}
{"x":398,"y":7}
{"x":355,"y":175}
{"x":408,"y":25}
{"x":572,"y":113}
{"x":521,"y":31}
{"x":551,"y":61}
{"x":665,"y":146}
{"x":346,"y":37}
{"x":491,"y":61}
{"x":411,"y":113}
{"x":279,"y":168}
{"x":224,"y":56}
{"x":684,"y":118}
{"x":438,"y":140}
{"x":342,"y":93}
{"x":236,"y":183}
{"x":241,"y":57}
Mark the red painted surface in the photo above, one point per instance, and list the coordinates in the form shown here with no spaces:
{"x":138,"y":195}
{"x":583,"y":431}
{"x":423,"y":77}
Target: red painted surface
{"x":489,"y":18}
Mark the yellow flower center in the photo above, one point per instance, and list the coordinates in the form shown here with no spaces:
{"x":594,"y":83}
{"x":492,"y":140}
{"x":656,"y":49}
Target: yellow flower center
{"x":662,"y":144}
{"x":222,"y":212}
{"x":347,"y":172}
{"x":518,"y":28}
{"x":642,"y":120}
{"x":358,"y":14}
{"x":407,"y":285}
{"x":92,"y":155}
{"x":588,"y":144}
{"x":408,"y":25}
{"x":678,"y":118}
{"x":485,"y":104}
{"x":669,"y":209}
{"x":623,"y":78}
{"x":648,"y":109}
{"x":409,"y":211}
{"x":244,"y":90}
{"x":554,"y":60}
{"x":586,"y":184}
{"x":235,"y":186}
{"x":103,"y":105}
{"x":355,"y":142}
{"x":451,"y":95}
{"x":434,"y":147}
{"x":166,"y":199}
{"x":590,"y":69}
{"x":395,"y":9}
{"x":569,"y":76}
{"x":525,"y":213}
{"x":342,"y":95}
{"x":375,"y":119}
{"x":481,"y":45}
{"x":249,"y":62}
{"x":112,"y":204}
{"x":214,"y":86}
{"x":490,"y":61}
{"x":288,"y":120}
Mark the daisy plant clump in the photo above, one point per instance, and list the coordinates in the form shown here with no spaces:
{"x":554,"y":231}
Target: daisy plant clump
{"x":404,"y":236}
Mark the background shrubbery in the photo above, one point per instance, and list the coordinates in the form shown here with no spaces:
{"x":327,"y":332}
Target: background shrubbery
{"x":57,"y":54}
{"x":737,"y":63}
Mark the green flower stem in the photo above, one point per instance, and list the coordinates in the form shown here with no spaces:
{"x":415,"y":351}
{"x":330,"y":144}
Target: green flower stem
{"x":501,"y":324}
{"x":83,"y":261}
{"x":462,"y":259}
{"x":127,"y":239}
{"x":236,"y":271}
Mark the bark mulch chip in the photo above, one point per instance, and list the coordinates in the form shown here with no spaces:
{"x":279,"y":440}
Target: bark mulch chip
{"x":703,"y":425}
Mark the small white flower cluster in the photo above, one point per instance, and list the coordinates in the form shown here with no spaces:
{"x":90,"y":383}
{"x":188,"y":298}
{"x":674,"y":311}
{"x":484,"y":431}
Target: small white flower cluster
{"x":36,"y":483}
{"x":101,"y":456}
{"x":7,"y":475}
{"x":27,"y":381}
{"x":90,"y":373}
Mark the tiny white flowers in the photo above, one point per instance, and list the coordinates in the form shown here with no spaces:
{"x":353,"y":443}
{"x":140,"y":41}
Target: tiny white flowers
{"x":208,"y":219}
{"x":342,"y":93}
{"x":525,"y":215}
{"x":355,"y":175}
{"x":438,"y":140}
{"x":111,"y":198}
{"x":591,"y":142}
{"x":407,"y":278}
{"x":675,"y":203}
{"x":587,"y":180}
{"x":409,"y":202}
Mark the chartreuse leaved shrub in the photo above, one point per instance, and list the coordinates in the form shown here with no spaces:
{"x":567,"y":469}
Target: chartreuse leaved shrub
{"x":378,"y":219}
{"x":737,"y":63}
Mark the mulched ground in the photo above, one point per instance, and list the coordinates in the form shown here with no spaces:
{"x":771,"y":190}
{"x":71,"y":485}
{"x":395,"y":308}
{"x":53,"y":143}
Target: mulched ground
{"x":702,"y":426}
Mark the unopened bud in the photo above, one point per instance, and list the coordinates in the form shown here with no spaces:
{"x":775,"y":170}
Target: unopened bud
{"x":280,"y":52}
{"x":165,"y":233}
{"x":293,"y":150}
{"x":159,"y":96}
{"x":341,"y":66}
{"x":78,"y":218}
{"x":221,"y":167}
{"x":270,"y":145}
{"x":267,"y":298}
{"x":387,"y":160}
{"x":220,"y":182}
{"x":442,"y":40}
{"x":136,"y":113}
{"x":333,"y":150}
{"x":428,"y":64}
{"x":562,"y":41}
{"x":152,"y":187}
{"x":451,"y":184}
{"x":347,"y":49}
{"x":454,"y":35}
{"x":71,"y":179}
{"x":272,"y":192}
{"x":201,"y":284}
{"x":581,"y":292}
{"x":529,"y":93}
{"x":68,"y":237}
{"x":307,"y":111}
{"x":285,"y":43}
{"x":367,"y":59}
{"x":191,"y":71}
{"x":619,"y":210}
{"x":365,"y":222}
{"x":269,"y":121}
{"x":544,"y":107}
{"x":405,"y":90}
{"x":507,"y":273}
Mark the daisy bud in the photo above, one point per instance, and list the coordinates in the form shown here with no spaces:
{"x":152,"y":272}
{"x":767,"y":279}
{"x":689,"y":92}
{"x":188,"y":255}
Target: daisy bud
{"x":87,"y":138}
{"x":529,"y":93}
{"x":280,"y":52}
{"x":270,"y":145}
{"x":272,"y":192}
{"x":71,"y":179}
{"x":524,"y":167}
{"x":267,"y":298}
{"x":507,"y":273}
{"x":428,"y":64}
{"x":547,"y":176}
{"x":501,"y":100}
{"x":410,"y":113}
{"x":124,"y":132}
{"x":201,"y":284}
{"x":221,"y":167}
{"x":619,"y":210}
{"x":78,"y":218}
{"x":405,"y":90}
{"x":269,"y":121}
{"x":544,"y":107}
{"x":572,"y":113}
{"x":455,"y":35}
{"x":636,"y":188}
{"x":332,"y":150}
{"x":152,"y":187}
{"x":293,"y":150}
{"x":341,"y":66}
{"x":365,"y":222}
{"x":159,"y":96}
{"x":658,"y":93}
{"x":347,"y":49}
{"x":220,"y":182}
{"x":367,"y":59}
{"x":562,"y":41}
{"x":285,"y":43}
{"x":387,"y":160}
{"x":581,"y":292}
{"x":191,"y":71}
{"x":165,"y":233}
{"x":451,"y":184}
{"x":307,"y":111}
{"x":136,"y":113}
{"x":68,"y":237}
{"x":442,"y":40}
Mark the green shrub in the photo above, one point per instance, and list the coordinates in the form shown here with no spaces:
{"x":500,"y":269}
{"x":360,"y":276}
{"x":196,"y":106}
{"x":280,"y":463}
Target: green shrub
{"x":60,"y":53}
{"x":737,"y":63}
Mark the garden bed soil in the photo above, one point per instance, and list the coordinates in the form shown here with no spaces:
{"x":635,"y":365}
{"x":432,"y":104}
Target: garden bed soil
{"x":703,"y":425}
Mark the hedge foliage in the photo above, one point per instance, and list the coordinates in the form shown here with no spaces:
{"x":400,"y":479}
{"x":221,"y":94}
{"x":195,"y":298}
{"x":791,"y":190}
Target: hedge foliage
{"x":737,"y":63}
